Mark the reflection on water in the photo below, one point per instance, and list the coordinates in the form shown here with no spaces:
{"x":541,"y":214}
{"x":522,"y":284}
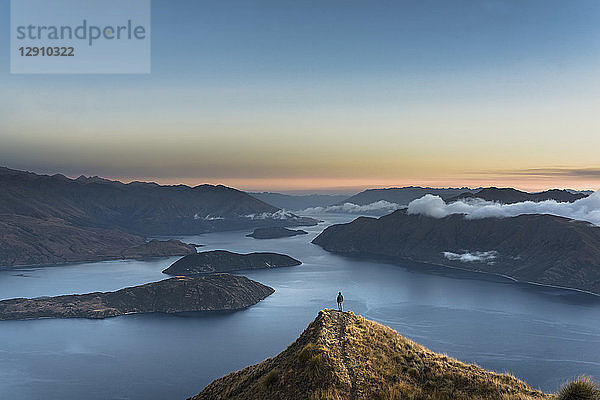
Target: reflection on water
{"x":540,"y":334}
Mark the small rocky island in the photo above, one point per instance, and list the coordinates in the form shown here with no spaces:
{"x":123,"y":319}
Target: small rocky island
{"x":217,"y":292}
{"x":158,"y":248}
{"x":226,"y":261}
{"x":275,"y":232}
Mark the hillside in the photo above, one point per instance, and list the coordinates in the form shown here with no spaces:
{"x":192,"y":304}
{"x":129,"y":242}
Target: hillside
{"x":511,"y":196}
{"x":218,"y":292}
{"x":343,"y":356}
{"x":227,"y":261}
{"x":53,"y":219}
{"x":40,"y":241}
{"x":536,"y":248}
{"x":402,"y":196}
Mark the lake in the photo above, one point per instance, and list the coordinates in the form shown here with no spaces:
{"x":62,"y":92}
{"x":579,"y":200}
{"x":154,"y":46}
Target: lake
{"x":542,"y":335}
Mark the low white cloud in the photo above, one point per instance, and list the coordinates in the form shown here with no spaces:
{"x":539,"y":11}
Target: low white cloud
{"x":208,"y":217}
{"x":350,"y":208}
{"x":280,"y":214}
{"x":471,"y":257}
{"x":586,"y":209}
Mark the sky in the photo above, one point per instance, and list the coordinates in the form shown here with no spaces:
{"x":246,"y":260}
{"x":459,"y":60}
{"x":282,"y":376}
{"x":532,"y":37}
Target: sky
{"x":335,"y":95}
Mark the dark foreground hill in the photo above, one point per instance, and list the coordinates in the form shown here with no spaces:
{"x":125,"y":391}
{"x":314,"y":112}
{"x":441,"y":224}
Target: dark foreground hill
{"x":403,"y":195}
{"x":537,"y":248}
{"x":226,"y":261}
{"x":218,"y":292}
{"x":511,"y":196}
{"x":342,"y":356}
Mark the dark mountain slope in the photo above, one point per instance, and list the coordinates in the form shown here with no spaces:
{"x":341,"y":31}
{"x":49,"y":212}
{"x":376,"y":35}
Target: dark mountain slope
{"x":38,"y":241}
{"x":53,"y":219}
{"x":534,"y":248}
{"x":142,"y":208}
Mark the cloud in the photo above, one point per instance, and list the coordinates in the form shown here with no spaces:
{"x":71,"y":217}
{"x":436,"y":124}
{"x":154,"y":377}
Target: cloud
{"x":560,"y":172}
{"x":280,"y":214}
{"x":208,"y":217}
{"x":470,"y":257}
{"x":586,"y":209}
{"x":350,"y":208}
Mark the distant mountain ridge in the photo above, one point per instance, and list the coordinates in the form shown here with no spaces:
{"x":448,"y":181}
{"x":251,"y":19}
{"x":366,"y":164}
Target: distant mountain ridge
{"x":402,"y":195}
{"x":511,"y":196}
{"x":298,"y":202}
{"x":537,"y":248}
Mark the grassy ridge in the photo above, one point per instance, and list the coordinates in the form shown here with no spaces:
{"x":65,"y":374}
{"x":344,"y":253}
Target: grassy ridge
{"x":345,"y":356}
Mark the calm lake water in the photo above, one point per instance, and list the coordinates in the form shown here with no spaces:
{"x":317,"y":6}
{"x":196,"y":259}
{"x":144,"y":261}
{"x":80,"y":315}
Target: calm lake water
{"x":542,"y":335}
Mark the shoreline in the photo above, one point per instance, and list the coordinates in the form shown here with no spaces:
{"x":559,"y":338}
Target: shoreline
{"x":212,"y":293}
{"x":398,"y":262}
{"x":182,"y":314}
{"x":86,"y":261}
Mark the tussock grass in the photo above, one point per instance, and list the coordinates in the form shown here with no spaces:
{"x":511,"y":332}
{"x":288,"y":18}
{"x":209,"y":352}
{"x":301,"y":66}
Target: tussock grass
{"x":582,"y":388}
{"x":342,"y":356}
{"x":307,"y":352}
{"x":271,"y":378}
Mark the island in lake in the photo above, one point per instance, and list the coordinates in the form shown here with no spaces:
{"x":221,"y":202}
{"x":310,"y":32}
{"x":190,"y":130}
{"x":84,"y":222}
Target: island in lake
{"x":345,"y":356}
{"x":217,"y":292}
{"x":226,"y":261}
{"x":537,"y":248}
{"x":275,"y":232}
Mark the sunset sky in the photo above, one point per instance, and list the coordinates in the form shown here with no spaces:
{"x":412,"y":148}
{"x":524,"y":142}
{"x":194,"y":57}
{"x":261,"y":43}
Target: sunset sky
{"x":335,"y":95}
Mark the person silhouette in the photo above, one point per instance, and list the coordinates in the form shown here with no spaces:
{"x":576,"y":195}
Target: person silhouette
{"x":340,"y":300}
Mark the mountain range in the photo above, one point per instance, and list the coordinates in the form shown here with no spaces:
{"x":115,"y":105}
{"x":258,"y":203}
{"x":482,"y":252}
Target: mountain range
{"x":137,"y":207}
{"x":50,"y":219}
{"x":403,"y":195}
{"x":511,"y":196}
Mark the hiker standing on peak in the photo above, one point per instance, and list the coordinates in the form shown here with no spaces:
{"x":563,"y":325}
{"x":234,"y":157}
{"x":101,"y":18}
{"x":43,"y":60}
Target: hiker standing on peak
{"x":340,"y":300}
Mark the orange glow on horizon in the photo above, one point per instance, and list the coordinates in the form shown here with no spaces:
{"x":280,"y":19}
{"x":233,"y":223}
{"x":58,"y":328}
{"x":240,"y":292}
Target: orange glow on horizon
{"x":354,"y":185}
